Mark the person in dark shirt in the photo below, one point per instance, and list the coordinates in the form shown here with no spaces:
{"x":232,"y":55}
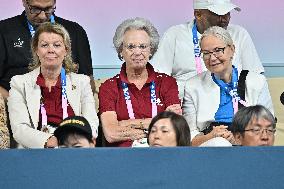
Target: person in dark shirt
{"x":15,"y":37}
{"x":75,"y":132}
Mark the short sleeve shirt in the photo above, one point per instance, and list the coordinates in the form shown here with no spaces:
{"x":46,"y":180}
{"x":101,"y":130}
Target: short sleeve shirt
{"x":111,"y":96}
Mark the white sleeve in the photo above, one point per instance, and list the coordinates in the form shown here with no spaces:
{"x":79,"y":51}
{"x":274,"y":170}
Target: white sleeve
{"x":19,"y":116}
{"x":264,"y":98}
{"x":163,"y":59}
{"x":248,"y":55}
{"x":189,"y":111}
{"x":88,"y":105}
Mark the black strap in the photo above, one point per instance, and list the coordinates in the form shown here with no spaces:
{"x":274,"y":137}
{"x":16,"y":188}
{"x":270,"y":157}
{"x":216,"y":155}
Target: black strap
{"x":242,"y":86}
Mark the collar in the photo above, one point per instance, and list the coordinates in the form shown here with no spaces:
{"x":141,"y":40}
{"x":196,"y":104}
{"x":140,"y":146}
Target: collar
{"x":150,"y":70}
{"x":41,"y":81}
{"x":189,"y":28}
{"x":23,"y":19}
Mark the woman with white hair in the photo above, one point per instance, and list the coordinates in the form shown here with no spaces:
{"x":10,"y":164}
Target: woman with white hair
{"x":129,"y":100}
{"x":213,"y":97}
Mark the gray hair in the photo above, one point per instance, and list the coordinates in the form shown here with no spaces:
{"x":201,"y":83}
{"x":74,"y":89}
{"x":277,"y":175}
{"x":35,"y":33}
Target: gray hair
{"x":220,"y":33}
{"x":247,"y":114}
{"x":136,"y":24}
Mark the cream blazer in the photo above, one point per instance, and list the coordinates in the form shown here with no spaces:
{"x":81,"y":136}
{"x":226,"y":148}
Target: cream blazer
{"x":24,"y":106}
{"x":202,"y":98}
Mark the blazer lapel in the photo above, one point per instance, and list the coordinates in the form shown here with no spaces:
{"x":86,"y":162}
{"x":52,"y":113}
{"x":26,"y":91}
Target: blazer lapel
{"x":73,"y":92}
{"x":212,"y":89}
{"x":33,"y":95}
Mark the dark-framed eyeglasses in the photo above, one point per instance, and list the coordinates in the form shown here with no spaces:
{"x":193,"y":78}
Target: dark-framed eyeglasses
{"x":258,"y":131}
{"x":217,"y":52}
{"x":143,"y":47}
{"x":38,"y":10}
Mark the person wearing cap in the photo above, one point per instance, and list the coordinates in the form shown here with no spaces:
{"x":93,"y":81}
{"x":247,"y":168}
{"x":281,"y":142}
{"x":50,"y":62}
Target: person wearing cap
{"x":75,"y":132}
{"x":254,"y":126}
{"x":16,"y":34}
{"x":178,"y":54}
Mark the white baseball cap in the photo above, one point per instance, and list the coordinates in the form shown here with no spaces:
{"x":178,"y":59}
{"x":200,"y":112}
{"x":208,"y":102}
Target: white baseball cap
{"x":220,"y":7}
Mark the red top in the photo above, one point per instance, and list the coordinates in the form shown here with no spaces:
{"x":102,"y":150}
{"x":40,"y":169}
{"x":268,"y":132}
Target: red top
{"x":53,"y":101}
{"x":111,"y":97}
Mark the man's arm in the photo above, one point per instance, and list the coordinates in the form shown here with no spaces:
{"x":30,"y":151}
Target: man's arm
{"x":4,"y":93}
{"x":83,"y":52}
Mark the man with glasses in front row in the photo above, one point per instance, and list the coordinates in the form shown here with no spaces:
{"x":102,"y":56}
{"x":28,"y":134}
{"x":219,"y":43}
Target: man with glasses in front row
{"x":254,"y":126}
{"x":16,"y":33}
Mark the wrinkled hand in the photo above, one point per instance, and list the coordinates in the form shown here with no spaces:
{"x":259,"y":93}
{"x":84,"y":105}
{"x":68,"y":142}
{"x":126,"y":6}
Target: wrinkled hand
{"x":176,"y":108}
{"x":131,"y":133}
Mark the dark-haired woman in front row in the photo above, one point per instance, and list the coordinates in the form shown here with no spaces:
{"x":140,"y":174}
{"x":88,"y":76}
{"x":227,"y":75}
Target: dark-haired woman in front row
{"x":168,"y":129}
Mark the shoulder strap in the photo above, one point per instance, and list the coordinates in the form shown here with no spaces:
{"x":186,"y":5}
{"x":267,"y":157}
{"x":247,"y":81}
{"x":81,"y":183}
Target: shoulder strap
{"x":242,"y":85}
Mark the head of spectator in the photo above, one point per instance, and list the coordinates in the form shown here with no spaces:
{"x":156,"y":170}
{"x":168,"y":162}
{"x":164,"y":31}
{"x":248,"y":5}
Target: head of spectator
{"x":136,"y":41}
{"x":51,"y":49}
{"x":213,"y":13}
{"x":39,"y":11}
{"x":168,"y":129}
{"x":75,"y":132}
{"x":217,"y":50}
{"x":254,"y":126}
{"x":129,"y":100}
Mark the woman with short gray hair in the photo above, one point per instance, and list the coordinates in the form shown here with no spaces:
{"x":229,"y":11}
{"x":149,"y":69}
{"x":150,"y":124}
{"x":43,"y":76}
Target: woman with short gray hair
{"x":137,"y":24}
{"x":213,"y":97}
{"x":129,"y":100}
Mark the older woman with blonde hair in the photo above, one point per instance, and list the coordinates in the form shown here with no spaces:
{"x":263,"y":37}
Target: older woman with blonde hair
{"x":213,"y":97}
{"x":129,"y":100}
{"x":42,"y":98}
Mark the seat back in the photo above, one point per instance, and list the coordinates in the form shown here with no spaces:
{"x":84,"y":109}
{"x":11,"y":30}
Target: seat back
{"x":276,"y":88}
{"x":4,"y":132}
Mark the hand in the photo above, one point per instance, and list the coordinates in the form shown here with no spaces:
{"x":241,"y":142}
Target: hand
{"x":176,"y":108}
{"x":131,"y":133}
{"x":137,"y":134}
{"x":218,"y":131}
{"x":52,"y":142}
{"x":230,"y":137}
{"x":4,"y":93}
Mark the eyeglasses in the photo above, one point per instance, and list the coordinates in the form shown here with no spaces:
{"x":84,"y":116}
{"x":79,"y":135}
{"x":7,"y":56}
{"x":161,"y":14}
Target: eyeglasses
{"x":257,"y":130}
{"x":217,"y":52}
{"x":143,"y":47}
{"x":38,"y":10}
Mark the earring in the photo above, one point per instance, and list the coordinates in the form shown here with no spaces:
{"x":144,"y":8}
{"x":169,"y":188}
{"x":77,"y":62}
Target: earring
{"x":120,"y":56}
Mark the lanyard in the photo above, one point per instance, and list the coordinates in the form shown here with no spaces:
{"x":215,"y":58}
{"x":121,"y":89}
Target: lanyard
{"x":31,"y":28}
{"x":128,"y":100}
{"x":232,"y":92}
{"x":196,"y":48}
{"x":64,"y":100}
